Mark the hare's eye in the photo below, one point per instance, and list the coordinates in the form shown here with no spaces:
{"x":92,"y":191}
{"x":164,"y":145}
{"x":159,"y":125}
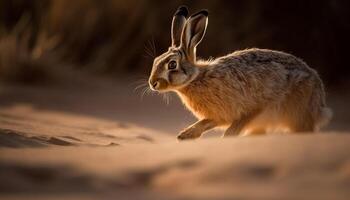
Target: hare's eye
{"x":172,"y":64}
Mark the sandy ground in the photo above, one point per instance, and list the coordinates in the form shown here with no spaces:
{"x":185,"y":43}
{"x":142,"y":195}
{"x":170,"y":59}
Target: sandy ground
{"x":101,"y":141}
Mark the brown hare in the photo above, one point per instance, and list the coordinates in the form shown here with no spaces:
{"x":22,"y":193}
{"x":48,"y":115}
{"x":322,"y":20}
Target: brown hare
{"x":250,"y":91}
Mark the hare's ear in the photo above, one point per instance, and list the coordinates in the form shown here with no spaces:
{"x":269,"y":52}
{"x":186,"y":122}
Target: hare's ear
{"x":177,"y":25}
{"x":193,"y":33}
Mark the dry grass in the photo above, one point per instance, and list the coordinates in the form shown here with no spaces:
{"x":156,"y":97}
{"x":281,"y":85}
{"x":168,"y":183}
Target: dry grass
{"x":114,"y":36}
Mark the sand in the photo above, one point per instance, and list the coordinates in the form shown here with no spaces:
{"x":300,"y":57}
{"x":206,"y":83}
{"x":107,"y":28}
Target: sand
{"x":104,"y":142}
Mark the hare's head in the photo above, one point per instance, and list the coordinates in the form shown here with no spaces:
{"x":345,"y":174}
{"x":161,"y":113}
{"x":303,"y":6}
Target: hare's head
{"x":176,"y":68}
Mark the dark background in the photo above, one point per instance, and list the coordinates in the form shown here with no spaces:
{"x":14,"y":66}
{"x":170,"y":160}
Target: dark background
{"x":76,"y":121}
{"x":114,"y":38}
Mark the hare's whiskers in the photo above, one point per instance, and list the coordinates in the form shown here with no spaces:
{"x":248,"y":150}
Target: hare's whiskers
{"x":154,"y":47}
{"x":166,"y":98}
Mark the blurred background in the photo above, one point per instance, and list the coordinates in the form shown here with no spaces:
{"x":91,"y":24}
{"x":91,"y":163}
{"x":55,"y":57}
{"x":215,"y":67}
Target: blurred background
{"x":77,"y":120}
{"x":42,"y":40}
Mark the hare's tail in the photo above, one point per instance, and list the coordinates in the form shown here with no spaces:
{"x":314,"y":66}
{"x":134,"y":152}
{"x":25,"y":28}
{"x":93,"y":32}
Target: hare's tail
{"x":324,"y":117}
{"x":323,"y":113}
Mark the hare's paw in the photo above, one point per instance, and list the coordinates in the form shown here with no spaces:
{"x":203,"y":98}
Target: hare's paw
{"x":188,"y":134}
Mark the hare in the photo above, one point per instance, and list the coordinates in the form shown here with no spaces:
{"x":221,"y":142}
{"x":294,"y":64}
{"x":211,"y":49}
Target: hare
{"x":250,"y":91}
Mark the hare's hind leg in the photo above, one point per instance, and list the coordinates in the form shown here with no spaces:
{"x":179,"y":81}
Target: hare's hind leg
{"x":298,"y":116}
{"x":238,"y":125}
{"x":257,"y":131}
{"x":196,"y":130}
{"x":302,"y":122}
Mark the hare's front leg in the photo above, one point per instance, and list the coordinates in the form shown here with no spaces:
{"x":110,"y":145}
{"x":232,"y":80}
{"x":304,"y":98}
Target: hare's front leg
{"x":196,"y":130}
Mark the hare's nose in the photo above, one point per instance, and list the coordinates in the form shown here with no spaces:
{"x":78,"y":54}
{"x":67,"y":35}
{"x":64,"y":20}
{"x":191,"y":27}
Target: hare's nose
{"x":154,"y":84}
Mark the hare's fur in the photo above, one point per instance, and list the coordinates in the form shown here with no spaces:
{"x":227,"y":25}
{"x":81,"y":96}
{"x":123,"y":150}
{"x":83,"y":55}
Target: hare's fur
{"x":272,"y":88}
{"x":251,"y":91}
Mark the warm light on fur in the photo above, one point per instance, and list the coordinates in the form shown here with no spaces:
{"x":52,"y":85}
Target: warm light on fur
{"x":250,"y":91}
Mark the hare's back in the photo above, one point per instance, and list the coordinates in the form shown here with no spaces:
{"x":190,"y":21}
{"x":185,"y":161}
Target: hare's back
{"x":261,"y":75}
{"x":260,"y":64}
{"x":265,"y":57}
